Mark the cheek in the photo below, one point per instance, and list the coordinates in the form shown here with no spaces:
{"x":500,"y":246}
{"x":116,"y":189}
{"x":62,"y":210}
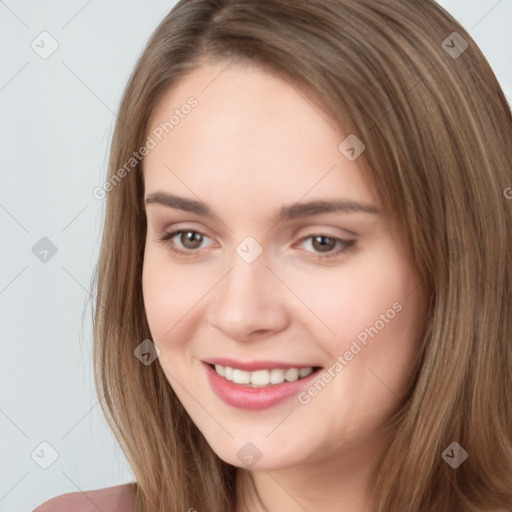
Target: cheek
{"x":378,"y":320}
{"x":389,"y":333}
{"x":171,"y":296}
{"x":395,"y":348}
{"x":375,"y":309}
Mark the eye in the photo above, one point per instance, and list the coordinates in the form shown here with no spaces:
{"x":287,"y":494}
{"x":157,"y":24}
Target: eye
{"x":184,"y":241}
{"x":187,"y":242}
{"x":326,"y":246}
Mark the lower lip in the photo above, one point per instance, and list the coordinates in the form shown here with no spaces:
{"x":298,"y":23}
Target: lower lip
{"x":246,"y":397}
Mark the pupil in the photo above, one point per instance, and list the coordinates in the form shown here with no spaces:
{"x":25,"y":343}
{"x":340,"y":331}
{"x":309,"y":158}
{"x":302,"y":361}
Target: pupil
{"x":192,"y":240}
{"x":325,"y":243}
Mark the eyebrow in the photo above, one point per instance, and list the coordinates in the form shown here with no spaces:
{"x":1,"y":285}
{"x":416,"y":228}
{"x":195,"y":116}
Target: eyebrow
{"x":301,"y":209}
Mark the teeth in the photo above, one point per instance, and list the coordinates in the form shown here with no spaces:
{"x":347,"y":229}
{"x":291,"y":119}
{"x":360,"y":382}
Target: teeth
{"x":241,"y":377}
{"x":228,"y":373}
{"x":220,"y":370}
{"x":276,"y":376}
{"x":304,"y":372}
{"x":262,"y":378}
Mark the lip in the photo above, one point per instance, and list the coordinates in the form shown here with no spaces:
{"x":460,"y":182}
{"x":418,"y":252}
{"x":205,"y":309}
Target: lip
{"x":252,"y":366}
{"x":255,"y":399}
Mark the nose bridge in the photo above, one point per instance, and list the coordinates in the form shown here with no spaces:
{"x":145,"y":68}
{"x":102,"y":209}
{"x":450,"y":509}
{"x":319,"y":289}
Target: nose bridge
{"x":246,"y":281}
{"x":248,"y":299}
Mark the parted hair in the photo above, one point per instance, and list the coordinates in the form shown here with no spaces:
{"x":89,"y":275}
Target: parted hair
{"x":411,"y":83}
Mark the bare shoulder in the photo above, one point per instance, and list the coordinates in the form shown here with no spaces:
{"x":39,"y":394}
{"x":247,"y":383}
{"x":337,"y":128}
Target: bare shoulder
{"x":120,"y":498}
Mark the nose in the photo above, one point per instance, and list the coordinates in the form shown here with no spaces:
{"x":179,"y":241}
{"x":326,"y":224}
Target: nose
{"x":250,"y":302}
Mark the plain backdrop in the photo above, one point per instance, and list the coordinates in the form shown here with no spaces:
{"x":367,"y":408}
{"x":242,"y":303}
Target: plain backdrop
{"x":56,"y":118}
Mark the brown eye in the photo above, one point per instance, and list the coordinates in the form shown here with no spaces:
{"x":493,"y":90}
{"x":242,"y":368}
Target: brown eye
{"x":185,"y":242}
{"x":323,"y":243}
{"x":325,"y":246}
{"x":191,"y":239}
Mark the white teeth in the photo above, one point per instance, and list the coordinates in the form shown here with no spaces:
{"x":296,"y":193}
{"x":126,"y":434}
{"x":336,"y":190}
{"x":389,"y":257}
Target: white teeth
{"x":304,"y":372}
{"x":292,"y":374}
{"x":276,"y":376}
{"x":262,"y":378}
{"x":241,"y":376}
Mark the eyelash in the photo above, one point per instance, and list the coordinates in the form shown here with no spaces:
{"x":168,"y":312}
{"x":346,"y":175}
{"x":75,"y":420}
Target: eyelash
{"x":346,"y":245}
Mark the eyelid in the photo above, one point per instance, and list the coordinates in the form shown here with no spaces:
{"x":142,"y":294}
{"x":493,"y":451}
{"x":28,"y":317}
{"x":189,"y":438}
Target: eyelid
{"x":344,"y":245}
{"x":179,"y":227}
{"x":167,"y":236}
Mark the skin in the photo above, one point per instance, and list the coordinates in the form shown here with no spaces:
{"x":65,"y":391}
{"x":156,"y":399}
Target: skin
{"x":253,"y":144}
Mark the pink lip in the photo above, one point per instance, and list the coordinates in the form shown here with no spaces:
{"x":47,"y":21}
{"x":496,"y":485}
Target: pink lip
{"x":246,"y":397}
{"x":252,"y":366}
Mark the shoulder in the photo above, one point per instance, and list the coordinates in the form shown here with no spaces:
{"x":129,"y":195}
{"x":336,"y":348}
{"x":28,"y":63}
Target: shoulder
{"x":120,"y":498}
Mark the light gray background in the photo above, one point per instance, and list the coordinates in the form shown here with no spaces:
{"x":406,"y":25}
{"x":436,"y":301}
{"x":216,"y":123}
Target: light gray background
{"x":56,"y":119}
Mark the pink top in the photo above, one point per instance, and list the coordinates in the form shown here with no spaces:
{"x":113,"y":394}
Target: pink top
{"x":111,"y":499}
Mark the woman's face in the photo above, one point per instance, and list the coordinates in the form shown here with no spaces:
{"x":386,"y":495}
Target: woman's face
{"x":280,"y":261}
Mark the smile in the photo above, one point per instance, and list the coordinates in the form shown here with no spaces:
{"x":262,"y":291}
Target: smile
{"x":262,"y":378}
{"x":258,"y":385}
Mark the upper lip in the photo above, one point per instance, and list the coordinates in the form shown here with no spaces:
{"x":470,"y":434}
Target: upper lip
{"x":251,"y":366}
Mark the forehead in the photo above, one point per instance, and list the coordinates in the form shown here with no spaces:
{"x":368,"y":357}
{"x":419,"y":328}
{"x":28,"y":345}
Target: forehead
{"x":251,"y":134}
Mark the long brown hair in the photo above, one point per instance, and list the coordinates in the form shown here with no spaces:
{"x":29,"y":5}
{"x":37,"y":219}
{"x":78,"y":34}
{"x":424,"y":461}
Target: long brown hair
{"x":413,"y":85}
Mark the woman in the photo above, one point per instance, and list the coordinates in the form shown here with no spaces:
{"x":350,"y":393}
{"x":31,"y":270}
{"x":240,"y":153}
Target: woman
{"x":305,"y":283}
